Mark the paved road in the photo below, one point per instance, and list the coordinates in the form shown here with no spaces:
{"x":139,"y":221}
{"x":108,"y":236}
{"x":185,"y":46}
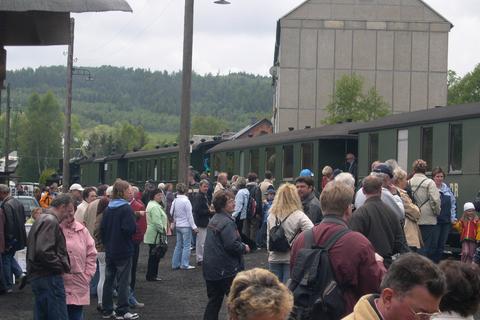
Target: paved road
{"x":181,"y":294}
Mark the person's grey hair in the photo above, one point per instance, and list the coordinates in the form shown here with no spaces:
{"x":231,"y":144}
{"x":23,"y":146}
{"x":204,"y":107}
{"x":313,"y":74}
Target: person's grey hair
{"x":135,"y":189}
{"x":347,"y":178}
{"x":399,"y":174}
{"x":63,"y":199}
{"x":393,"y":164}
{"x":241,"y":182}
{"x":204,"y":182}
{"x":181,"y":188}
{"x":4,"y":188}
{"x":385,"y":177}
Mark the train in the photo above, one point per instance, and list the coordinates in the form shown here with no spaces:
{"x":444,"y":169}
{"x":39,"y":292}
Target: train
{"x":443,"y":136}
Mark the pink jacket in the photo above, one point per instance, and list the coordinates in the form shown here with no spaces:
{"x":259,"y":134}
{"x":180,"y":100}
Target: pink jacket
{"x":83,"y":255}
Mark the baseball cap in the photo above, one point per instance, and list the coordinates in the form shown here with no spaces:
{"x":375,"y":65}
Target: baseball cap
{"x":468,"y":206}
{"x":270,"y":190}
{"x":76,"y":186}
{"x":306,"y":173}
{"x":383,"y":168}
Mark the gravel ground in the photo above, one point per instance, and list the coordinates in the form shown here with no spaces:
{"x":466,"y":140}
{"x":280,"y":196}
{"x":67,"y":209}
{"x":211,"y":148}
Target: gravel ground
{"x":180,"y":295}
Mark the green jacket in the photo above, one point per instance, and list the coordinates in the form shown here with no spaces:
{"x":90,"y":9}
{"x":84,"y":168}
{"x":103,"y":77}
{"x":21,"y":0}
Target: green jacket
{"x":156,"y":222}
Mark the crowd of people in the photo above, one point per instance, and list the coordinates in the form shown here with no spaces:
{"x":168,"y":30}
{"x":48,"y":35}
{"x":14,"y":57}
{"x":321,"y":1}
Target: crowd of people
{"x":369,"y":249}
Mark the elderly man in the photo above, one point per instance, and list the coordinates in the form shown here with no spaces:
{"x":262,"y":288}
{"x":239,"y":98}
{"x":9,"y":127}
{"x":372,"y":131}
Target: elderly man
{"x":47,"y":260}
{"x":406,"y":292}
{"x":76,"y":190}
{"x":15,"y":235}
{"x":222,"y":181}
{"x":377,"y":221}
{"x":389,"y":192}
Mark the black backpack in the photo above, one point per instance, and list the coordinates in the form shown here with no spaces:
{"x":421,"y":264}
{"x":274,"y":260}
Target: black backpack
{"x":277,"y":241}
{"x":252,"y":202}
{"x":316,"y":293}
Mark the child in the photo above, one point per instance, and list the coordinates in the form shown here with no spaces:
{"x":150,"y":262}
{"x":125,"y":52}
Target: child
{"x":467,"y":227}
{"x":267,"y":204}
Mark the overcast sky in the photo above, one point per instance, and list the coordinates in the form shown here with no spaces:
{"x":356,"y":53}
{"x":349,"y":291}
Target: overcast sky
{"x":235,"y":37}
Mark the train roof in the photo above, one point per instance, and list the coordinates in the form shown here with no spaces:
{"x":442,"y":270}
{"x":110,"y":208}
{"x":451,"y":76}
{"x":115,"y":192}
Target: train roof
{"x":434,"y":115}
{"x":336,"y":131}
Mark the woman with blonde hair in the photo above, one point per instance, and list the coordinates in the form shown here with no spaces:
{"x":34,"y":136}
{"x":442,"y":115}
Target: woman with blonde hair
{"x":286,"y":212}
{"x":257,"y":294}
{"x":412,"y":212}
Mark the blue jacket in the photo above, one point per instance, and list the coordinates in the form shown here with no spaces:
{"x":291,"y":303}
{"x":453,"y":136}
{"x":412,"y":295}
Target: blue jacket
{"x":448,"y":213}
{"x":117,"y":228}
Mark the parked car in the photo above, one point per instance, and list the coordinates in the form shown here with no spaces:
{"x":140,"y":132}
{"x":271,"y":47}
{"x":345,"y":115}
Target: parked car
{"x":29,"y":203}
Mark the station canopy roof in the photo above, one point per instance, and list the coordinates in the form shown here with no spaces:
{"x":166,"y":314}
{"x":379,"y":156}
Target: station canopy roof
{"x":46,"y":22}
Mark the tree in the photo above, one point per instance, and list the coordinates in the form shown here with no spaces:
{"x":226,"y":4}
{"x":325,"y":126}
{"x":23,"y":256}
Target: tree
{"x":466,"y":89}
{"x":350,"y":104}
{"x":208,"y":125}
{"x":40,"y":137}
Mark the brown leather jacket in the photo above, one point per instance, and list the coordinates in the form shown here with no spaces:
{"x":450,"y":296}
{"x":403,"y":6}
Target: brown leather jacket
{"x":46,"y":250}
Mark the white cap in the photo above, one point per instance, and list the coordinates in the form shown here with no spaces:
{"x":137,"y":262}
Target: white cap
{"x":468,"y":206}
{"x":76,"y":186}
{"x":109,"y":191}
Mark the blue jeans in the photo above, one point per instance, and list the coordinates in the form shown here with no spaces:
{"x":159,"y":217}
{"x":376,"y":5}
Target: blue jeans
{"x":50,"y":300}
{"x":119,"y":270}
{"x":262,"y":235}
{"x":181,"y":255}
{"x":94,"y":282}
{"x":281,"y":270}
{"x":75,"y":312}
{"x":443,"y":231}
{"x":10,"y":268}
{"x":430,"y":234}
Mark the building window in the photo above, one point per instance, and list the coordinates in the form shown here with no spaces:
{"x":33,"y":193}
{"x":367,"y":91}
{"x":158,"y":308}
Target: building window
{"x":307,"y":156}
{"x":163,"y":170}
{"x":372,"y":148}
{"x":427,"y":146}
{"x":270,"y":159}
{"x":174,"y":171}
{"x":455,"y":148}
{"x":254,"y":159}
{"x":131,"y":171}
{"x":402,"y":148}
{"x":287,"y":162}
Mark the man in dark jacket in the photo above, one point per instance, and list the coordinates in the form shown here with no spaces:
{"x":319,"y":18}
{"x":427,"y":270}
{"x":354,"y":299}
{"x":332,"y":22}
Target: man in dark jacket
{"x":223,"y":256}
{"x":3,"y":287}
{"x":311,"y":205}
{"x":117,"y":229}
{"x":15,"y":235}
{"x":378,"y":222}
{"x":47,"y":260}
{"x":201,"y":215}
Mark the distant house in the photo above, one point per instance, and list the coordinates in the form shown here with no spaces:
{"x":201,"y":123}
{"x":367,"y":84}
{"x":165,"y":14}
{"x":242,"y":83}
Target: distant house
{"x":400,"y":47}
{"x":257,"y":128}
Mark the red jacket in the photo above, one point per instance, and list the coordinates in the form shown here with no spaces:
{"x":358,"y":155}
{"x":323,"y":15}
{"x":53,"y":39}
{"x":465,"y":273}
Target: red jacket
{"x":352,"y":259}
{"x":141,"y":221}
{"x":468,"y":229}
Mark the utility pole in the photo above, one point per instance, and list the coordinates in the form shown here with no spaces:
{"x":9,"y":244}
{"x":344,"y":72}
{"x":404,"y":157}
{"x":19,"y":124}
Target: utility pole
{"x":67,"y":131}
{"x":184,"y":143}
{"x":7,"y":136}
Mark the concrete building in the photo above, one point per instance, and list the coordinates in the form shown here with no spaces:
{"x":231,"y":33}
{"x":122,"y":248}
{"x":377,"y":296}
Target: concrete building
{"x":398,"y":46}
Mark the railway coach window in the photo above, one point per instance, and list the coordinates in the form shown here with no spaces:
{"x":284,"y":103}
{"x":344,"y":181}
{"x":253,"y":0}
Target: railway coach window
{"x":254,"y":160}
{"x":427,"y":146}
{"x":230,"y":163}
{"x":402,"y":148}
{"x":270,"y":158}
{"x":372,"y":148}
{"x":288,"y":162}
{"x":455,"y":149}
{"x":307,"y":155}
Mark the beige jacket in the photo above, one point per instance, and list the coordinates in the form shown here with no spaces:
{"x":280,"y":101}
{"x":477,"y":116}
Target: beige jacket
{"x":296,"y":223}
{"x":412,"y":215}
{"x":427,"y":197}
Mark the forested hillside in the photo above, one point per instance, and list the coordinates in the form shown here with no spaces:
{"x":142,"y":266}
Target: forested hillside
{"x":150,"y":99}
